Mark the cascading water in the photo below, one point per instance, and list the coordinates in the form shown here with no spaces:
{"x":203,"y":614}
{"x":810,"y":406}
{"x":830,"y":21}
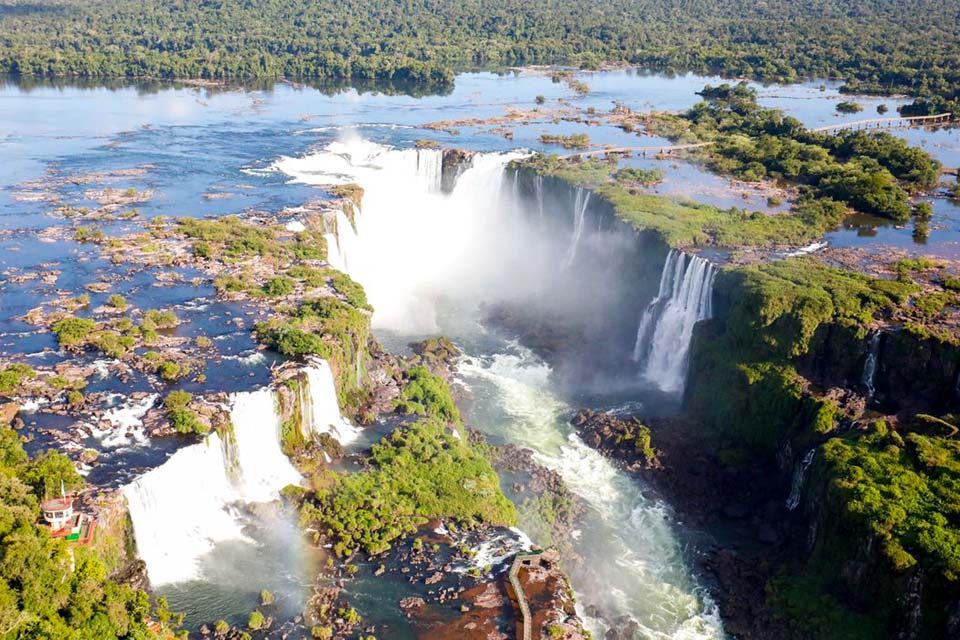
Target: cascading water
{"x":434,"y":243}
{"x":666,"y":326}
{"x":870,"y":365}
{"x":324,"y":410}
{"x":430,"y":169}
{"x":183,"y":508}
{"x":799,"y":477}
{"x":580,"y":201}
{"x":415,"y":252}
{"x":262,"y":467}
{"x":180,"y":510}
{"x":538,"y":185}
{"x":340,"y":241}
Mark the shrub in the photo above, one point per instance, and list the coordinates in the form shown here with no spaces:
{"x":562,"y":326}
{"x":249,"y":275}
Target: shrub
{"x":183,"y":419}
{"x":849,"y":107}
{"x":117,"y":302}
{"x":278,"y":286}
{"x":256,"y":621}
{"x":73,"y":332}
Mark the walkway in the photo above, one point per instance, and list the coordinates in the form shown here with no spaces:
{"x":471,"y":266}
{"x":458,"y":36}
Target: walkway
{"x":523,"y":560}
{"x":878,"y":123}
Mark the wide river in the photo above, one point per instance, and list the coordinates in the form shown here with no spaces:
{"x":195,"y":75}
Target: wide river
{"x":428,"y":260}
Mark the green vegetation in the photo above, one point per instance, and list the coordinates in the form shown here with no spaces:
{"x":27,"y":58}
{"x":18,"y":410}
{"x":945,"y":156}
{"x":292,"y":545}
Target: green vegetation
{"x":43,"y":594}
{"x":418,"y":471}
{"x":73,"y":332}
{"x":13,"y":374}
{"x":849,"y":107}
{"x":181,"y":416}
{"x":873,"y":46}
{"x":326,"y":327}
{"x":904,"y":491}
{"x":575,"y":141}
{"x":871,"y":172}
{"x":747,"y":385}
{"x":641,"y":177}
{"x":685,"y":223}
{"x":805,"y":602}
{"x":425,"y":394}
{"x":233,"y":240}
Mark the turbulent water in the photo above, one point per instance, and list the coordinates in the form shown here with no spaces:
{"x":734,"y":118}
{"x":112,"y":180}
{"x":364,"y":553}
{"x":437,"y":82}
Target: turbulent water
{"x":184,"y":507}
{"x":685,"y":297}
{"x":181,"y":509}
{"x":426,"y":261}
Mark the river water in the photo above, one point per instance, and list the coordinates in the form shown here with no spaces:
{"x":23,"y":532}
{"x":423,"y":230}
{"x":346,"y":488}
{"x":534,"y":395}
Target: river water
{"x":428,"y":260}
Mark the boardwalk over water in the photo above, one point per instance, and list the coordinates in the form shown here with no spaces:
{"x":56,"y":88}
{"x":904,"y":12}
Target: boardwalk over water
{"x":520,"y":561}
{"x":870,"y":123}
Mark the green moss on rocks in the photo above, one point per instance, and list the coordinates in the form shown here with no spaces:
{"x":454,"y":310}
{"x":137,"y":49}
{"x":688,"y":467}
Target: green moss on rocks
{"x":419,"y":471}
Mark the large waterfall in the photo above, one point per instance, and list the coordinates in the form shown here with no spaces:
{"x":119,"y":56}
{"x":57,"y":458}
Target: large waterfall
{"x":666,"y":326}
{"x":181,"y":509}
{"x":435,"y":244}
{"x":323,"y":415}
{"x":425,"y":257}
{"x":799,"y":477}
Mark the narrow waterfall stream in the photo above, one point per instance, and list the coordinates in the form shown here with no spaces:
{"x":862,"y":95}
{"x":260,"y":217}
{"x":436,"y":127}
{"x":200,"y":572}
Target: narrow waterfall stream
{"x":428,"y":262}
{"x":870,"y":365}
{"x":685,"y":298}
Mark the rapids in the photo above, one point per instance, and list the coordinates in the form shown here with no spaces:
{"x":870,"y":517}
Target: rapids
{"x":428,"y":262}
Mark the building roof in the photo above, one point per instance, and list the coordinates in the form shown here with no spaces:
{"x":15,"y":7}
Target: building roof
{"x":57,"y":504}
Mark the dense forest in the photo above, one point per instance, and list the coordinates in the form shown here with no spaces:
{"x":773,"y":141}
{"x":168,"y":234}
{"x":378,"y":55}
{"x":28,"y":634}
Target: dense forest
{"x":874,"y":45}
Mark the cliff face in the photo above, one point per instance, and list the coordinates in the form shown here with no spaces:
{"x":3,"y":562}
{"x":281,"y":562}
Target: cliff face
{"x":790,"y":364}
{"x":601,"y":274}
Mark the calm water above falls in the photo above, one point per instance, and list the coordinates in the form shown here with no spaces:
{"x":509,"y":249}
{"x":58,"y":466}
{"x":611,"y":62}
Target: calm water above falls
{"x":193,"y":142}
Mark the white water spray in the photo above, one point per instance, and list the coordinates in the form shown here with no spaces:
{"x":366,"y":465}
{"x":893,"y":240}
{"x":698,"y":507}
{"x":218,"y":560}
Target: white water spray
{"x":181,"y":509}
{"x":262,"y":467}
{"x":870,"y":365}
{"x":799,"y":477}
{"x":184,"y":507}
{"x":324,"y":411}
{"x":685,"y":297}
{"x":414,"y":244}
{"x":580,"y":201}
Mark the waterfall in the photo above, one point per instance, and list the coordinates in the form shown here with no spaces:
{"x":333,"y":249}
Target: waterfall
{"x":666,"y":326}
{"x":430,"y":169}
{"x":799,"y":476}
{"x":435,"y":243}
{"x":340,"y":242}
{"x":538,"y":183}
{"x":870,"y":365}
{"x":263,"y":468}
{"x":323,"y":415}
{"x":182,"y":508}
{"x":580,"y":201}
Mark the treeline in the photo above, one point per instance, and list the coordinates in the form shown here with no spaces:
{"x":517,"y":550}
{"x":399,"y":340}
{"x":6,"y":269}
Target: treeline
{"x":875,"y":45}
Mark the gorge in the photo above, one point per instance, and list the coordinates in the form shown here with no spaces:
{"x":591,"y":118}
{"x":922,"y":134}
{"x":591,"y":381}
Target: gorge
{"x":341,"y":373}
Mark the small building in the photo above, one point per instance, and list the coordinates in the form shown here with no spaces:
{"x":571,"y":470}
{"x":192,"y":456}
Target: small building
{"x":63,"y":522}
